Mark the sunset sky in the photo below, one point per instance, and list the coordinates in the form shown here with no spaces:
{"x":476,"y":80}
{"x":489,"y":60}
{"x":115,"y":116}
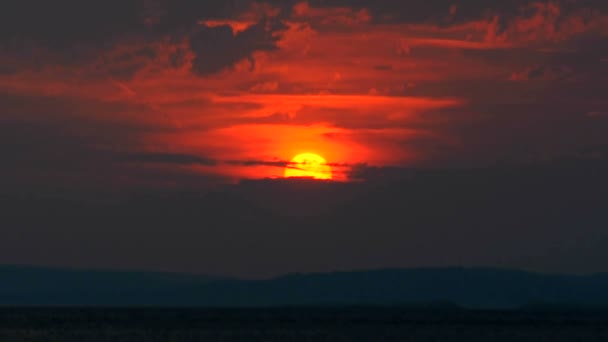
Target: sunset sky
{"x":192,"y":93}
{"x":155,"y":134}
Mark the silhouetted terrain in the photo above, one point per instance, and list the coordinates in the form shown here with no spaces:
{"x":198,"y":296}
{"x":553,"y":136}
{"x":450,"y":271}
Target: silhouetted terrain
{"x":431,"y":288}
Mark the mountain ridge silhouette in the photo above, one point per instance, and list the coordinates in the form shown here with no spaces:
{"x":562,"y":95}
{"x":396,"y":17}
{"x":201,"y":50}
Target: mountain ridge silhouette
{"x":442,"y":287}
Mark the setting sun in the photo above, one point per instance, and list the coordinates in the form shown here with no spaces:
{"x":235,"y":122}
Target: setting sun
{"x":308,"y":165}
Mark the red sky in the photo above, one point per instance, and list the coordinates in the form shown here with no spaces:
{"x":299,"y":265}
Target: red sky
{"x":173,"y":94}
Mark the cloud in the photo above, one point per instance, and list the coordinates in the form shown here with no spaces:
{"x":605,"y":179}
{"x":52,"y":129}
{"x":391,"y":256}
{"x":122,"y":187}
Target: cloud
{"x":364,"y":172}
{"x":192,"y":159}
{"x":99,"y":23}
{"x":101,"y":28}
{"x":219,"y":47}
{"x":326,"y":16}
{"x":169,"y":158}
{"x":248,"y":85}
{"x":52,"y":142}
{"x":265,"y":87}
{"x":345,"y":111}
{"x":452,"y":44}
{"x":543,"y":72}
{"x":544,"y":22}
{"x":274,"y":163}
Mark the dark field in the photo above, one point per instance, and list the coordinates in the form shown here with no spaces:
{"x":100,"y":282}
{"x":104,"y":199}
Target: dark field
{"x":46,"y":324}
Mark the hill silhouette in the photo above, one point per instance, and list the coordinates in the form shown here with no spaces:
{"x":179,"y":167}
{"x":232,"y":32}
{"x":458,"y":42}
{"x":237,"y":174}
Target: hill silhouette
{"x":431,"y":288}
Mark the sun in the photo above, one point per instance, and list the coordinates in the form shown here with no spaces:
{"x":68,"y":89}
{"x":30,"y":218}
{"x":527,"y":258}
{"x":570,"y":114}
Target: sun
{"x":308,"y":165}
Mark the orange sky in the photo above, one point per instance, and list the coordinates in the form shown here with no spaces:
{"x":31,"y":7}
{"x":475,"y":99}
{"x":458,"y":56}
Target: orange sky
{"x":348,"y":83}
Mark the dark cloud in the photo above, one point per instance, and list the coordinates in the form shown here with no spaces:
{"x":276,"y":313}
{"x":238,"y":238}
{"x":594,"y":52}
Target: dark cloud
{"x":169,"y":158}
{"x":276,"y":163}
{"x":270,"y":119}
{"x":65,"y":142}
{"x":191,"y":159}
{"x":365,"y":172}
{"x":65,"y":24}
{"x":71,"y":32}
{"x":438,"y":11}
{"x":217,"y":48}
{"x":178,"y":58}
{"x":545,"y":72}
{"x":125,"y":63}
{"x":44,"y":158}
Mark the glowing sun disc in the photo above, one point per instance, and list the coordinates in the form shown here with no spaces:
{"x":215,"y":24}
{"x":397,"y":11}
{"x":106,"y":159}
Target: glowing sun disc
{"x":308,"y":165}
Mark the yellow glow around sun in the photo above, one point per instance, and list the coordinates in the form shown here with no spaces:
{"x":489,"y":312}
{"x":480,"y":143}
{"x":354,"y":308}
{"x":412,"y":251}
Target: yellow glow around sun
{"x":308,"y":165}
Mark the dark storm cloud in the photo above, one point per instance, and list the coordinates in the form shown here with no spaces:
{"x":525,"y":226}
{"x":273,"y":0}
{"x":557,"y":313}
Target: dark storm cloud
{"x":217,"y":48}
{"x":71,"y":32}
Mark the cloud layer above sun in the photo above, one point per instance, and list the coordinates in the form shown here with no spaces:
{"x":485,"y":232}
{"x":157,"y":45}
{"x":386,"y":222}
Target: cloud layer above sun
{"x":190,"y":93}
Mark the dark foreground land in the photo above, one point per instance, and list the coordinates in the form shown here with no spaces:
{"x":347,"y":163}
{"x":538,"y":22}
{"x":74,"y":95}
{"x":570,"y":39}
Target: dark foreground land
{"x":298,"y":324}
